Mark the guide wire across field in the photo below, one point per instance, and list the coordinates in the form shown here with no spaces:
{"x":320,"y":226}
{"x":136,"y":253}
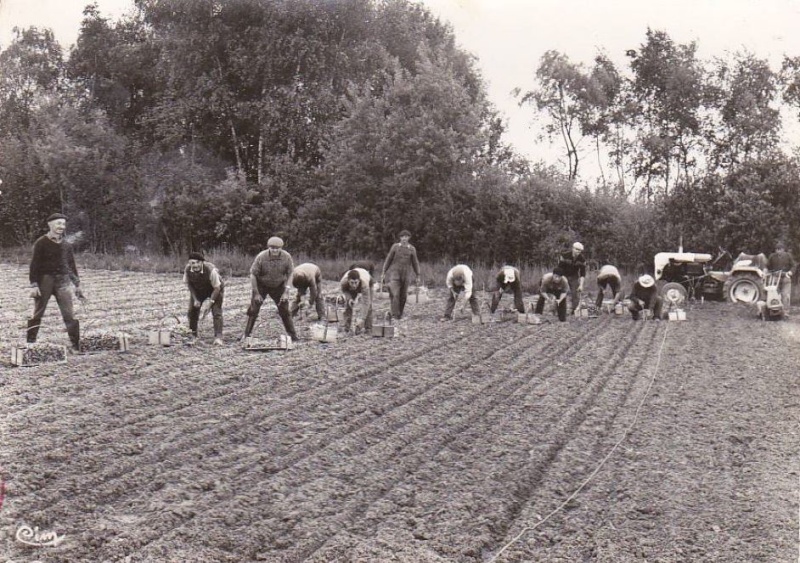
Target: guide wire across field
{"x":602,"y":462}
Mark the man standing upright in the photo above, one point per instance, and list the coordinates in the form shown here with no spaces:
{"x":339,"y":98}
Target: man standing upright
{"x":573,"y":264}
{"x":271,"y":274}
{"x":400,"y":262}
{"x":204,"y":282}
{"x":53,"y":273}
{"x":783,"y":262}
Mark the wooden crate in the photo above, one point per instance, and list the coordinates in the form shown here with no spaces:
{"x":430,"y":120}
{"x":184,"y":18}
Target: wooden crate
{"x":29,"y":355}
{"x":419,"y":295}
{"x":323,"y":332}
{"x":93,"y":343}
{"x":677,"y":315}
{"x":282,"y":342}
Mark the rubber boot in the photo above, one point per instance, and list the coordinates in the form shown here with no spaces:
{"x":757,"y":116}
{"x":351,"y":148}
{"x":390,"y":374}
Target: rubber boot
{"x":74,"y":332}
{"x":33,"y":330}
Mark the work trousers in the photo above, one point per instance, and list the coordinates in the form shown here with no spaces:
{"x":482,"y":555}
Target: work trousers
{"x":59,"y":286}
{"x":275,"y":294}
{"x":216,"y":313}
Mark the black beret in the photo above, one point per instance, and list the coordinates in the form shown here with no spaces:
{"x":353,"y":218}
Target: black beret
{"x":197,"y":256}
{"x":55,"y":216}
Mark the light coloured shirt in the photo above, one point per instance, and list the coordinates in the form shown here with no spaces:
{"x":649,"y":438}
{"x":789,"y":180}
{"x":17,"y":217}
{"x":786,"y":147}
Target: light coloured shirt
{"x":608,"y":271}
{"x":466,"y":274}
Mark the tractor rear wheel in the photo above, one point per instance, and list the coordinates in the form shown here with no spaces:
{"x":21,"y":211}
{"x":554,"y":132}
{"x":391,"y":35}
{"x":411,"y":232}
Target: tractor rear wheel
{"x":743,"y":288}
{"x":674,"y":293}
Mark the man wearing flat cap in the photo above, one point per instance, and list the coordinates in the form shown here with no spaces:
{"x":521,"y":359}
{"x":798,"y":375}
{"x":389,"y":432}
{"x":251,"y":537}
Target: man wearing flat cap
{"x":271,"y":274}
{"x":573,"y":264}
{"x":204,"y":282}
{"x":53,"y":273}
{"x":399,"y":263}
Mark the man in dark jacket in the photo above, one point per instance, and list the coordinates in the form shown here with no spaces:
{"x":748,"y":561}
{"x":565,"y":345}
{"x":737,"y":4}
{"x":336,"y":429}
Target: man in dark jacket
{"x":53,"y":273}
{"x":204,"y":282}
{"x":271,"y":274}
{"x":783,"y":262}
{"x":399,"y":263}
{"x":644,"y":295}
{"x":508,"y":280}
{"x":573,"y":263}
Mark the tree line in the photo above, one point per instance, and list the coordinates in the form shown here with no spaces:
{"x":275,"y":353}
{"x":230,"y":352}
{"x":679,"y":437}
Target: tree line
{"x":194,"y":124}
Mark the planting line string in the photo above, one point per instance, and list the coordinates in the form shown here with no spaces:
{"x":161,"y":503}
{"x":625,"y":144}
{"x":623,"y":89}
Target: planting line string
{"x":602,"y":462}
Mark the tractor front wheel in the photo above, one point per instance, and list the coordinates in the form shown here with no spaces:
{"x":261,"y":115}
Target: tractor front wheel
{"x":744,"y":288}
{"x":674,"y":293}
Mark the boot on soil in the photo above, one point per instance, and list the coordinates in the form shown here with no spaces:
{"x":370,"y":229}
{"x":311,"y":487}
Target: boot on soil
{"x":33,"y":330}
{"x":74,"y":332}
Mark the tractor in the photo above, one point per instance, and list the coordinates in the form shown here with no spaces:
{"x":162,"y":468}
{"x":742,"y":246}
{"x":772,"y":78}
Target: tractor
{"x":691,"y":275}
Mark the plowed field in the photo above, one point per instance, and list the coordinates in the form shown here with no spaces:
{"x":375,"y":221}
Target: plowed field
{"x":601,"y":439}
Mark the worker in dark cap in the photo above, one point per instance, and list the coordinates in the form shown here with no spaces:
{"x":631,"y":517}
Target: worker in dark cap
{"x":53,"y":273}
{"x":204,"y":282}
{"x":271,"y":274}
{"x":399,"y":263}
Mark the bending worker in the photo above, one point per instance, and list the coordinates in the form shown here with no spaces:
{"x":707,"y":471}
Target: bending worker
{"x":270,"y":274}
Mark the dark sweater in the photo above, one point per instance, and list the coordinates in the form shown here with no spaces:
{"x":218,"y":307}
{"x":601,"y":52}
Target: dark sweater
{"x":52,"y":259}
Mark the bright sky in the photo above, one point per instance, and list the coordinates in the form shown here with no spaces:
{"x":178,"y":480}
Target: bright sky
{"x":510,"y":36}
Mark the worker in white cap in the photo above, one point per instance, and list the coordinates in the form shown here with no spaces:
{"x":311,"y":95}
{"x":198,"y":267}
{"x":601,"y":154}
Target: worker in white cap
{"x":271,"y":274}
{"x":644,"y":296}
{"x":508,"y":281}
{"x":573,"y":264}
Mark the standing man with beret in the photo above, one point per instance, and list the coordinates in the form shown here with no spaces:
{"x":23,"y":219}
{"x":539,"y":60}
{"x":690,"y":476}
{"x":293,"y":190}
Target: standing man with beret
{"x":271,"y":274}
{"x":308,"y":278}
{"x":53,"y":273}
{"x":573,"y":264}
{"x":399,"y":263}
{"x":204,"y":282}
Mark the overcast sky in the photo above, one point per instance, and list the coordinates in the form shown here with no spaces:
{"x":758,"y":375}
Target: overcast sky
{"x":510,"y":36}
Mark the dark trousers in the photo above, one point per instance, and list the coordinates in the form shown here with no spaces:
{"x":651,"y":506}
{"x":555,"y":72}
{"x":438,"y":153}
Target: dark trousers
{"x":574,"y":282}
{"x":283,"y":310}
{"x":604,"y":283}
{"x":561,"y":308}
{"x":216,"y":313}
{"x":60,"y":287}
{"x":516,"y":289}
{"x":655,"y":306}
{"x":451,"y":303}
{"x":348,"y":313}
{"x":314,"y":297}
{"x":398,"y":293}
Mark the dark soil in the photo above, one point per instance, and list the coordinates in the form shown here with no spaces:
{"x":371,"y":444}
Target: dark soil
{"x":602,"y":440}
